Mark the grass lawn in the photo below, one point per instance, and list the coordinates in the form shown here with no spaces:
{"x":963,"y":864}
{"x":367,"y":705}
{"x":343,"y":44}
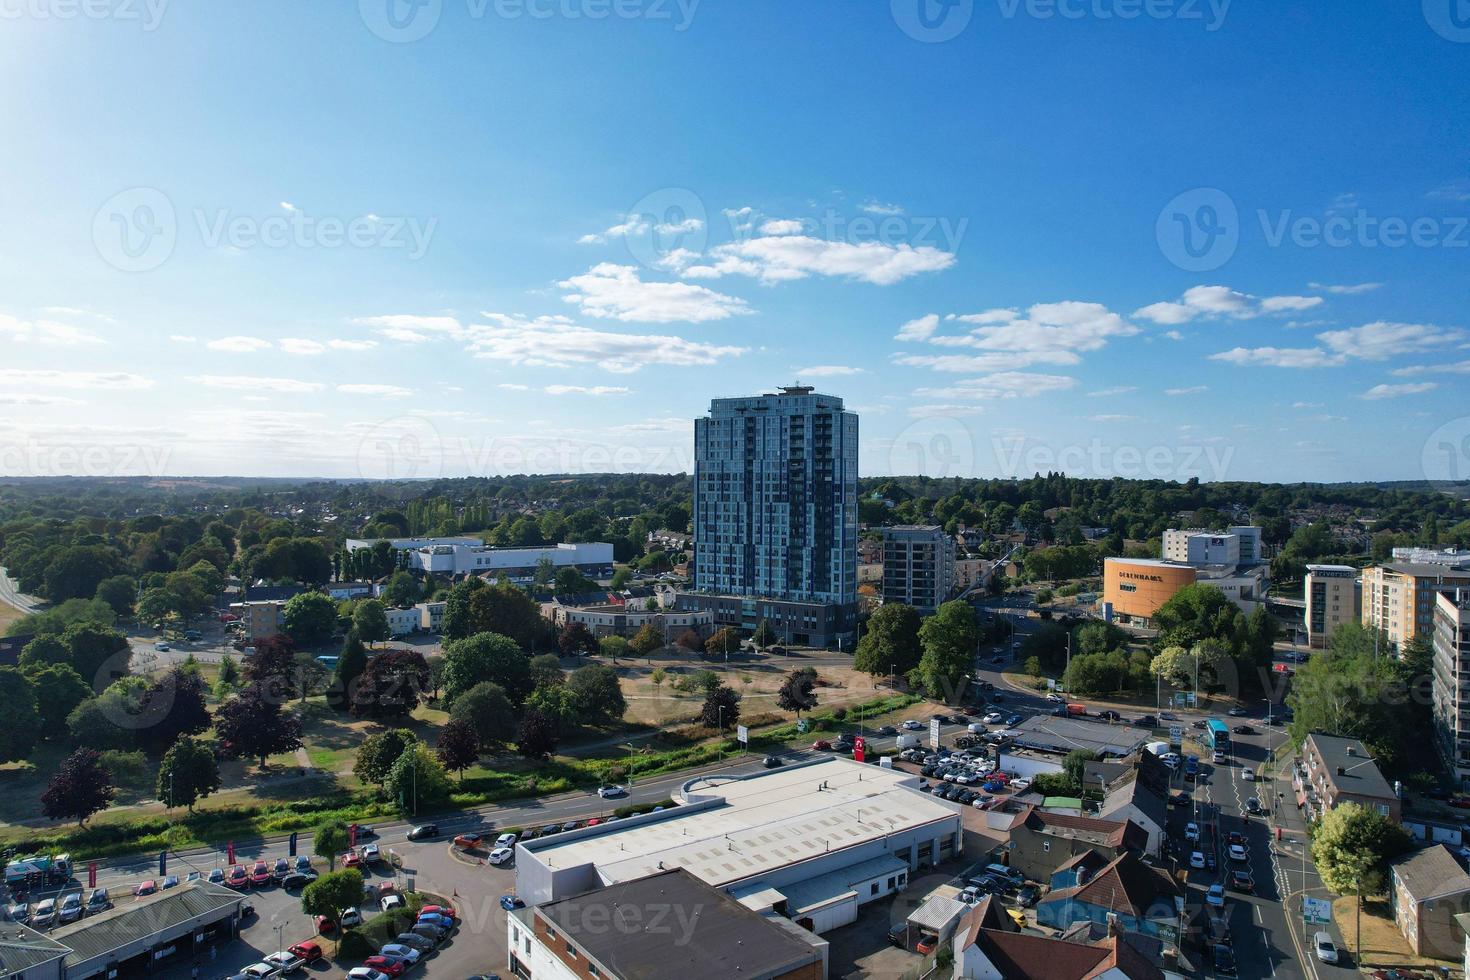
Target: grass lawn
{"x":1383,"y":945}
{"x":8,"y":615}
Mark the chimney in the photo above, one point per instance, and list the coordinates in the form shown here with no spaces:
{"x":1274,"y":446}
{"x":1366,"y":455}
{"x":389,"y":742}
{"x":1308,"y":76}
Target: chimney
{"x":1112,"y":924}
{"x":1341,"y":771}
{"x":1352,"y":750}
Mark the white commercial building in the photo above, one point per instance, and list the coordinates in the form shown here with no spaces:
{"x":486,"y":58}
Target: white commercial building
{"x":811,"y":842}
{"x":471,"y":556}
{"x":1333,"y":597}
{"x":1239,"y":545}
{"x":402,"y":622}
{"x":1450,"y":557}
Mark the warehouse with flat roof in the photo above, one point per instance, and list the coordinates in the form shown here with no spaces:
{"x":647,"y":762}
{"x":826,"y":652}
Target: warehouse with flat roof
{"x":1049,"y":733}
{"x":821,"y":838}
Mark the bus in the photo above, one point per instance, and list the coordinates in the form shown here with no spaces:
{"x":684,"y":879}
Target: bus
{"x":1217,"y":735}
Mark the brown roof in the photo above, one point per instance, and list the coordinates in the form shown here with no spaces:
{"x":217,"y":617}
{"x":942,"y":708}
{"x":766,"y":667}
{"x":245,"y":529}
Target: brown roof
{"x":1127,"y":885}
{"x":1091,"y":857}
{"x":1017,"y":954}
{"x":1431,"y":873}
{"x":1114,"y":833}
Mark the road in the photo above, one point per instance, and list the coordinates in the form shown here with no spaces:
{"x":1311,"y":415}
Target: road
{"x":11,"y":595}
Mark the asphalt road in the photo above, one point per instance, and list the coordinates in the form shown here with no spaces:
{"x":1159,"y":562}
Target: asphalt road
{"x":11,"y":595}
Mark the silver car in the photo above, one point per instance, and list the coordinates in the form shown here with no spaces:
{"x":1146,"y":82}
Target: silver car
{"x":71,"y":907}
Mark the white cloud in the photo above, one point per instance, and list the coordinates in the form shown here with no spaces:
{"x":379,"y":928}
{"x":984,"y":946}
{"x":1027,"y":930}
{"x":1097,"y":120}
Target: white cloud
{"x":995,"y":361}
{"x":1379,"y":392}
{"x":1002,"y":315}
{"x":637,"y":224}
{"x":1110,"y":392}
{"x":248,"y":383}
{"x":1112,"y":418}
{"x":1381,"y":340}
{"x":411,"y":328}
{"x":878,"y":207}
{"x":920,"y":329}
{"x":783,"y":258}
{"x":76,"y":311}
{"x":354,"y":345}
{"x":1216,"y":302}
{"x":782,"y":226}
{"x":288,"y":206}
{"x":554,"y":342}
{"x":585,"y":390}
{"x":113,"y":381}
{"x":616,"y":292}
{"x":297,"y":345}
{"x":49,"y":333}
{"x":1454,"y":367}
{"x":1173,"y":335}
{"x":828,"y":371}
{"x":18,"y":398}
{"x":384,"y":391}
{"x":1195,"y":390}
{"x":510,"y":386}
{"x":181,"y":338}
{"x":1004,"y":384}
{"x":1286,"y":357}
{"x":1349,"y":289}
{"x":655,"y":425}
{"x":239,"y":345}
{"x":1068,"y":326}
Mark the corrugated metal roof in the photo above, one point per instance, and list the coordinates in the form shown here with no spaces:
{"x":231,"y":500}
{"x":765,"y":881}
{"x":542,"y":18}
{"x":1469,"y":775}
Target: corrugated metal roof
{"x":22,"y":948}
{"x":139,"y":919}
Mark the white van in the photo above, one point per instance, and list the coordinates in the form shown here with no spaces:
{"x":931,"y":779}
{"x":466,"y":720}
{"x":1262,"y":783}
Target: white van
{"x":908,"y":742}
{"x":1326,"y":951}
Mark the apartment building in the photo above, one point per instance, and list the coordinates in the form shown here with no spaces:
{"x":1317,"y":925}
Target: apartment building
{"x":1399,"y":597}
{"x":1333,"y":597}
{"x":1239,"y":545}
{"x":1337,"y":770}
{"x":918,"y":566}
{"x":261,"y":619}
{"x":775,"y":511}
{"x":1451,"y":687}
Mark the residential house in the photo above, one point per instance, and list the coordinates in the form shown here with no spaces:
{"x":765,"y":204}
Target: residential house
{"x":431,"y":616}
{"x":1126,"y":894}
{"x":1334,"y":770}
{"x":1428,"y":888}
{"x":988,"y":946}
{"x":1135,"y":790}
{"x":1042,"y":841}
{"x":402,"y":622}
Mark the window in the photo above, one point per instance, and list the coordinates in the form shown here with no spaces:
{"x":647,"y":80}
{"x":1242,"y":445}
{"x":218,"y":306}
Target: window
{"x":874,"y":889}
{"x":1046,"y":846}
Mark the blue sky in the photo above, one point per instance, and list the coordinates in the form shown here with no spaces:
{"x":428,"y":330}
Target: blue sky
{"x":1170,"y":239}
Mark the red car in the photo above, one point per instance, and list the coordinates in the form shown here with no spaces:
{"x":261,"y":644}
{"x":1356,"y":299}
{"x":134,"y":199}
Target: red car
{"x":325,"y":926}
{"x":445,"y":910}
{"x":146,"y":888}
{"x":822,"y":745}
{"x":1461,"y":802}
{"x":308,"y":951}
{"x":351,"y":860}
{"x":237,"y":878}
{"x":385,"y":964}
{"x":467,"y":840}
{"x":260,"y":875}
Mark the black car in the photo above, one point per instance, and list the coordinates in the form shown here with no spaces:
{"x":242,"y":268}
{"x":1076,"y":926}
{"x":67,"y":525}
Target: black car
{"x":1027,"y":896}
{"x":771,"y":761}
{"x":424,"y":831}
{"x":296,"y":880}
{"x":1199,"y":724}
{"x":1146,"y":721}
{"x":1225,"y":961}
{"x":886,"y":730}
{"x":1241,"y":882}
{"x":1109,"y":715}
{"x":1243,"y":730}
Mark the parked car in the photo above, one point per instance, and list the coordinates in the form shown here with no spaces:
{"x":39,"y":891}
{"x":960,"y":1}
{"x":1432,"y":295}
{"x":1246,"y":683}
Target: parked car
{"x":914,"y":725}
{"x":1239,"y":853}
{"x":71,"y":908}
{"x":350,"y":918}
{"x":285,"y":961}
{"x":438,"y":921}
{"x":1191,"y":832}
{"x":1253,"y":805}
{"x":1249,"y":775}
{"x":98,"y":901}
{"x":1197,"y":860}
{"x":308,"y":951}
{"x":445,"y":910}
{"x":1215,"y":896}
{"x":927,"y":943}
{"x":885,"y":731}
{"x":352,"y":859}
{"x":296,"y":879}
{"x":413,"y":940}
{"x":1027,"y":896}
{"x":303,"y":864}
{"x":390,"y":902}
{"x":260,"y":875}
{"x":501,"y":855}
{"x":389,"y":965}
{"x":44,"y":915}
{"x":1241,"y":881}
{"x":467,"y":840}
{"x":511,"y":902}
{"x":401,"y":952}
{"x":365,"y":973}
{"x":237,"y":878}
{"x":429,"y":931}
{"x":771,"y":761}
{"x":1325,"y":949}
{"x":280,"y":869}
{"x":424,"y":831}
{"x":259,"y":971}
{"x":217,"y":876}
{"x":147,"y":887}
{"x":1224,"y":960}
{"x":1146,"y":721}
{"x":821,"y":745}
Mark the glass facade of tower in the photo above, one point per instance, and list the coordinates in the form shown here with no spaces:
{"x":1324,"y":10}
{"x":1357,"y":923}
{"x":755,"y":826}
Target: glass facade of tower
{"x":775,"y":498}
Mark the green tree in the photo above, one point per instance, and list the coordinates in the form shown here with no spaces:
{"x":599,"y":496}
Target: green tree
{"x":597,"y":694}
{"x":621,"y":577}
{"x":310,"y":618}
{"x":253,"y":725}
{"x":119,"y":592}
{"x":389,"y":688}
{"x":546,"y":671}
{"x":763,"y":636}
{"x":891,"y":644}
{"x":94,"y":723}
{"x":416,"y":779}
{"x":333,"y":893}
{"x":949,"y":639}
{"x":797,"y":693}
{"x":557,"y":703}
{"x":100,"y":654}
{"x":329,"y":840}
{"x":488,"y":712}
{"x":370,"y":621}
{"x":486,"y":657}
{"x":721,"y":708}
{"x":187,"y":774}
{"x":537,"y":736}
{"x":613,"y":648}
{"x":58,"y":690}
{"x":402,"y":591}
{"x":378,"y":752}
{"x":1352,"y":847}
{"x":19,"y":720}
{"x":647,"y":640}
{"x":351,"y":662}
{"x":507,"y":610}
{"x":724,"y":641}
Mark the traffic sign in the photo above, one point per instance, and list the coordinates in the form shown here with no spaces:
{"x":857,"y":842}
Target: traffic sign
{"x":1316,"y":911}
{"x":1176,"y":735}
{"x":934,"y":733}
{"x":801,"y":725}
{"x":742,"y":734}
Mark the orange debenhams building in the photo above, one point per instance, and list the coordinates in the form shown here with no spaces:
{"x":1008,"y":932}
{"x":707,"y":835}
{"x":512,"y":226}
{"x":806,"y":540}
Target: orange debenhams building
{"x":1137,"y":587}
